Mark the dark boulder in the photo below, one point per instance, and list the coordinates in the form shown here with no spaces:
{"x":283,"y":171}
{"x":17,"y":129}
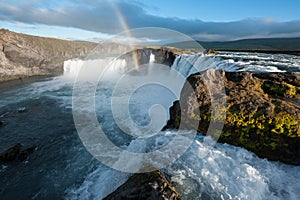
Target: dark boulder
{"x":16,"y":153}
{"x":145,"y":186}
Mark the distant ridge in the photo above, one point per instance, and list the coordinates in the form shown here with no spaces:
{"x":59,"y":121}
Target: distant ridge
{"x":265,"y":45}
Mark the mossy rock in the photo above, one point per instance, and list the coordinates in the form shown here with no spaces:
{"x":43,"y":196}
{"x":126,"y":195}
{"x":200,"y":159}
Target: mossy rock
{"x":260,"y":113}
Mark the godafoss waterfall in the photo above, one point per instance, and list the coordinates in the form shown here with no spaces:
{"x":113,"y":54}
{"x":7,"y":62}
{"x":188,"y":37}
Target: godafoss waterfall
{"x":48,"y":158}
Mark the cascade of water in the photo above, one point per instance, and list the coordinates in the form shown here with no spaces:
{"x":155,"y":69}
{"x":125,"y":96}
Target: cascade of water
{"x":189,"y":64}
{"x":92,"y":68}
{"x":152,"y":58}
{"x":72,"y":67}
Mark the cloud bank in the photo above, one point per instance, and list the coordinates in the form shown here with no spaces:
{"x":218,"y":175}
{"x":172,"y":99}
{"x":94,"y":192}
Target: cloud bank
{"x":113,"y":17}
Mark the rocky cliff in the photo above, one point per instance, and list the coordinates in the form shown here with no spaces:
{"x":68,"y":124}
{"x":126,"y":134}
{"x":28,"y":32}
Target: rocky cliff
{"x":261,"y":114}
{"x":24,"y":55}
{"x":141,"y":56}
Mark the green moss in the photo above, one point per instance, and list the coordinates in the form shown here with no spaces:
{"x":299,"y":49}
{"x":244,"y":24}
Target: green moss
{"x":226,"y":134}
{"x":234,"y":109}
{"x":177,"y":121}
{"x":285,"y":123}
{"x":282,"y":89}
{"x":273,"y":145}
{"x":257,"y":122}
{"x":292,"y":90}
{"x":274,"y":88}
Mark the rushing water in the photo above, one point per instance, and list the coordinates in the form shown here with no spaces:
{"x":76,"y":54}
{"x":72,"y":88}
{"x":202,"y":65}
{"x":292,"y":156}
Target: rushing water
{"x":61,"y":167}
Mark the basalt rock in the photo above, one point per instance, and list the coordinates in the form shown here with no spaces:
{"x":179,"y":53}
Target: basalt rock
{"x":146,"y":186}
{"x":164,"y":56}
{"x":261,"y":114}
{"x":139,"y":57}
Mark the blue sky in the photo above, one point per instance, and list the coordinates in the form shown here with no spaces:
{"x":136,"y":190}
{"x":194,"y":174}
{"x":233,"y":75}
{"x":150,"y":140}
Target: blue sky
{"x":203,"y":20}
{"x":226,"y":10}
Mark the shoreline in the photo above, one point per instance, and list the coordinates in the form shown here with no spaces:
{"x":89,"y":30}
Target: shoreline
{"x":21,"y":80}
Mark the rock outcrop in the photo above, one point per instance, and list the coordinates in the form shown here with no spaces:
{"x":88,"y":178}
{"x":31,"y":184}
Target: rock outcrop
{"x":262,"y":112}
{"x":138,"y":56}
{"x":25,"y":55}
{"x":146,"y":186}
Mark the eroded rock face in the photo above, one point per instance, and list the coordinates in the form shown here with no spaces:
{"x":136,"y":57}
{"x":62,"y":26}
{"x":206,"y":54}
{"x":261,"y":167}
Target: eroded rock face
{"x":25,"y":55}
{"x":164,"y":56}
{"x":261,"y":114}
{"x":142,"y":56}
{"x":146,"y":186}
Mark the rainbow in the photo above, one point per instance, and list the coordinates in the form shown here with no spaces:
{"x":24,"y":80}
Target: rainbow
{"x":127,"y":31}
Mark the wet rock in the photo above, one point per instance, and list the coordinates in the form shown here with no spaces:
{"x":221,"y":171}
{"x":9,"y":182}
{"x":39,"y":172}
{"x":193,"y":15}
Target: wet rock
{"x":261,"y":114}
{"x":21,"y":109}
{"x":211,"y":51}
{"x":142,"y":56}
{"x":146,"y":186}
{"x":164,"y":56}
{"x":136,"y":58}
{"x":1,"y":123}
{"x":16,"y":153}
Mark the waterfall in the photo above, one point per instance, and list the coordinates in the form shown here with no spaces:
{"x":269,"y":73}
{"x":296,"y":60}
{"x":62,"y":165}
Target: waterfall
{"x":188,"y":64}
{"x":152,"y":58}
{"x":185,"y":64}
{"x":72,"y":67}
{"x":91,"y":68}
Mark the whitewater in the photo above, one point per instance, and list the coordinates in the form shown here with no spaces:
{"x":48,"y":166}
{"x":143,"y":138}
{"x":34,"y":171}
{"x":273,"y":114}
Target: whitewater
{"x":62,"y":167}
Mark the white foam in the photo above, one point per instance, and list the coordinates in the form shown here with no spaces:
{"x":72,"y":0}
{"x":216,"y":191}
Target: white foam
{"x":233,"y":173}
{"x":98,"y":184}
{"x":227,"y":172}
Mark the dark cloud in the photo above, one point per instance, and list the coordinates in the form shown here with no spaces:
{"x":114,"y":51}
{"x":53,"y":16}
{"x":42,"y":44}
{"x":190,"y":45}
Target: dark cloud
{"x":110,"y":17}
